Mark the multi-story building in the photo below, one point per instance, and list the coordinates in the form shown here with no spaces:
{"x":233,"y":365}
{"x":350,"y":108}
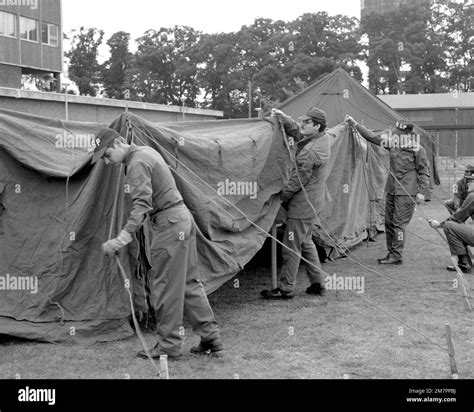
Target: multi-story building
{"x":30,"y":41}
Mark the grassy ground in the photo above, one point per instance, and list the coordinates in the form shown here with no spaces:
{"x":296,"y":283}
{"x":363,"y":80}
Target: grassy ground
{"x":396,"y":329}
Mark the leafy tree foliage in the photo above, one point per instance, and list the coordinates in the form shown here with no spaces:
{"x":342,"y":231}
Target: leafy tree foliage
{"x":84,"y":68}
{"x":420,"y":49}
{"x":423,"y":49}
{"x":166,"y":70}
{"x":117,"y":70}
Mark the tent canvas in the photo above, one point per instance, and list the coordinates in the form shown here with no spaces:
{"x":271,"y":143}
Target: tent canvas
{"x":56,"y":210}
{"x":338,"y":94}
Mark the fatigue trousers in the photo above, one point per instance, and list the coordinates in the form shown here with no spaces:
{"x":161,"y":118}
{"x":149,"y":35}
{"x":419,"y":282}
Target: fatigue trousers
{"x":459,"y":237}
{"x":298,"y":238}
{"x":174,"y":280}
{"x":399,"y":211}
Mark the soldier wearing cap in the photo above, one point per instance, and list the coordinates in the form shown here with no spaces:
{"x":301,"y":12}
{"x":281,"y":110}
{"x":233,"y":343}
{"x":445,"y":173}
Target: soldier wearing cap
{"x":408,"y":181}
{"x":174,"y":281}
{"x":304,"y":195}
{"x":459,"y":234}
{"x":460,"y":191}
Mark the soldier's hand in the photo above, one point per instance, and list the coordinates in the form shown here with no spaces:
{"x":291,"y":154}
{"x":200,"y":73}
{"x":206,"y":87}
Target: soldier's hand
{"x":434,"y":224}
{"x":277,"y":113}
{"x":111,"y":247}
{"x":420,"y":199}
{"x":350,"y":120}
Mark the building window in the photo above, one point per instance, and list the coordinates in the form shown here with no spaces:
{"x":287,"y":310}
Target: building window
{"x":28,"y":29}
{"x":7,"y":24}
{"x":50,"y":34}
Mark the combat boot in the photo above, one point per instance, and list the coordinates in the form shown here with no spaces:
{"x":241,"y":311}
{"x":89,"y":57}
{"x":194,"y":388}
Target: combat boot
{"x":277,"y":294}
{"x":213,"y":347}
{"x":464,"y":263}
{"x":316,"y":289}
{"x":390,"y":260}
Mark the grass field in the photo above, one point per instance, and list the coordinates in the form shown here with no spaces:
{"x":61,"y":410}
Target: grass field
{"x":395,"y":329}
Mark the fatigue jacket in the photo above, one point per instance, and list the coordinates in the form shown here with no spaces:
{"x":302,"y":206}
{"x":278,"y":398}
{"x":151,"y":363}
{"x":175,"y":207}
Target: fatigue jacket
{"x":152,"y":186}
{"x":462,"y":190}
{"x":466,"y":211}
{"x":410,"y":166}
{"x":312,"y":157}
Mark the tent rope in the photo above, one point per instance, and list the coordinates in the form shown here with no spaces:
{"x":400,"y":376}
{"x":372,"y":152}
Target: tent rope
{"x":129,"y":138}
{"x":424,"y":216}
{"x":291,"y":250}
{"x":244,"y":217}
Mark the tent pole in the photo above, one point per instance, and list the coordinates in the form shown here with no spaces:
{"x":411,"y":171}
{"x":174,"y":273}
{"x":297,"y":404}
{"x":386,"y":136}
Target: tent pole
{"x":274,"y":257}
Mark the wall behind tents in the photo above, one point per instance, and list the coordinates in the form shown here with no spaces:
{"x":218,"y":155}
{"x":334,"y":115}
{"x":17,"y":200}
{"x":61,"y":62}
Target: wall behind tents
{"x":91,"y":109}
{"x":448,"y":117}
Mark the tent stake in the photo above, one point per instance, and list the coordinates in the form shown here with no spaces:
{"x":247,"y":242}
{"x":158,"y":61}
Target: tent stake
{"x":274,"y":257}
{"x":164,"y":373}
{"x":452,"y":360}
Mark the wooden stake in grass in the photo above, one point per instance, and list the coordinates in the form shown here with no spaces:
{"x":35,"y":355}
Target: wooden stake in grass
{"x":452,"y":359}
{"x":164,"y":372}
{"x":274,"y":257}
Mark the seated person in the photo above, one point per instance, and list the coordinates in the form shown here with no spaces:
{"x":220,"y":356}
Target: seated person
{"x":459,"y":235}
{"x":461,"y":190}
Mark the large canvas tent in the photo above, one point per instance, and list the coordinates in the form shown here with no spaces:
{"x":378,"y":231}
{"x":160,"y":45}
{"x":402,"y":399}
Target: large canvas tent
{"x":56,"y":210}
{"x":357,"y":187}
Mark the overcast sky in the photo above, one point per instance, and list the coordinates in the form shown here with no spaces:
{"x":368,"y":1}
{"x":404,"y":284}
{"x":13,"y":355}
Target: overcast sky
{"x":208,"y":16}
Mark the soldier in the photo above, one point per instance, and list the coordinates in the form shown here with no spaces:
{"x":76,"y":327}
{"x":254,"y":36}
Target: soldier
{"x":304,"y":194}
{"x":461,"y":190}
{"x":175,"y":285}
{"x":459,"y":235}
{"x":409,"y":179}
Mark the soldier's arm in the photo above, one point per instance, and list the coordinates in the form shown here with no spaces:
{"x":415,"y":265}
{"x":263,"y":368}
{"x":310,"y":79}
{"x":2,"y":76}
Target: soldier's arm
{"x":456,"y":201}
{"x":465,"y":212}
{"x":141,"y":190}
{"x":291,"y":127}
{"x":423,"y":170}
{"x":371,"y":136}
{"x":458,"y":194}
{"x":367,"y":134}
{"x":306,"y":162}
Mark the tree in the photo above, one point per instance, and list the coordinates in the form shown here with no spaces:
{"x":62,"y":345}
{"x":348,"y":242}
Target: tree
{"x":166,"y":66}
{"x":301,"y":51}
{"x":420,"y":49}
{"x":218,"y":59}
{"x":116,"y":72}
{"x":456,"y":29}
{"x":84,"y":69}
